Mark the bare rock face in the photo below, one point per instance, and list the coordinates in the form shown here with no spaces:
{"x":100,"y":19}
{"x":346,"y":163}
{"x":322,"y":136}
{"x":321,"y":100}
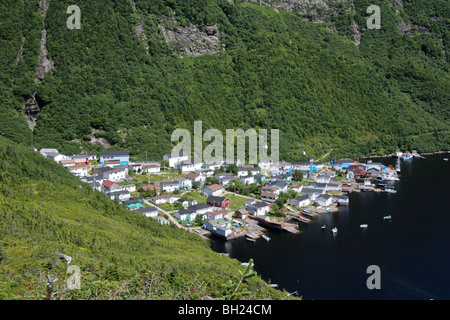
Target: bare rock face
{"x":31,"y":109}
{"x":192,"y":41}
{"x":44,"y":64}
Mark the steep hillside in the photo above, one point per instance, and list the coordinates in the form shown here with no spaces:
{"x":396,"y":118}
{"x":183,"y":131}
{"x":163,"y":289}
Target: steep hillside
{"x":45,"y":211}
{"x":138,"y":69}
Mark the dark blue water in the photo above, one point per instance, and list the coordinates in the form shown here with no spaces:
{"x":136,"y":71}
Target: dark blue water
{"x":412,"y":250}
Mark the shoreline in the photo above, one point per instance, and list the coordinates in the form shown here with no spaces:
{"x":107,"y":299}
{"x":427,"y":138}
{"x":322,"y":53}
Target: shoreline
{"x":392,"y":155}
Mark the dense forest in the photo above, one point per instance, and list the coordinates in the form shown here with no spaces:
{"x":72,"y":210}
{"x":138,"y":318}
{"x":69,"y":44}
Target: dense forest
{"x":114,"y":87}
{"x":45,"y":211}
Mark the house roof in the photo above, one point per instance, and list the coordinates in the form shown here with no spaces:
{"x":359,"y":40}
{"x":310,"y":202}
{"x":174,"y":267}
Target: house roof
{"x":301,"y":198}
{"x":176,"y":155}
{"x":214,"y":187}
{"x":325,"y":196}
{"x":114,"y":153}
{"x":219,"y":221}
{"x":76,"y":166}
{"x":269,"y":195}
{"x":147,"y":209}
{"x":260,"y":204}
{"x":192,"y":175}
{"x":216,"y":199}
{"x":108,"y":183}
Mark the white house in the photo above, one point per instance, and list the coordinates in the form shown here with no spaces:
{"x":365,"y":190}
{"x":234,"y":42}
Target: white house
{"x":190,"y":165}
{"x":167,"y":198}
{"x":129,"y":188}
{"x":119,"y":195}
{"x":324,"y":200}
{"x":219,"y":227}
{"x":151,"y":168}
{"x":313,"y":193}
{"x":195,"y":177}
{"x":247,"y":179}
{"x":215,"y":215}
{"x":269,"y":196}
{"x":205,"y":172}
{"x":175,"y":158}
{"x":282,"y":185}
{"x":44,"y":151}
{"x":149,"y":212}
{"x":258,"y":209}
{"x":79,"y":170}
{"x":324,"y":177}
{"x":301,"y":201}
{"x":170,"y":186}
{"x":213,"y":190}
{"x":118,"y":173}
{"x":297,"y":187}
{"x":244,"y":171}
{"x":57,"y":157}
{"x":274,"y":189}
{"x":122,"y":157}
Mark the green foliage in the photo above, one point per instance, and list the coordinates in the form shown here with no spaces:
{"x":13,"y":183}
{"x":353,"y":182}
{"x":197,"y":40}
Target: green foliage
{"x":44,"y":210}
{"x":231,"y":287}
{"x":277,"y":72}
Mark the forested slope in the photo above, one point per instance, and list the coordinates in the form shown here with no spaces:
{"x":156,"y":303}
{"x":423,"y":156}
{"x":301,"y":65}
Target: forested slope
{"x":45,"y":211}
{"x":137,"y":70}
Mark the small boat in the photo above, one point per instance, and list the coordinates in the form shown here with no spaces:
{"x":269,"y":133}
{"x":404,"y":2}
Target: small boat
{"x":250,"y":239}
{"x":445,"y":159}
{"x":323,"y":227}
{"x":407,"y":156}
{"x":390,"y":190}
{"x":387,"y":217}
{"x":334,"y":230}
{"x":363,"y":226}
{"x":265,"y":237}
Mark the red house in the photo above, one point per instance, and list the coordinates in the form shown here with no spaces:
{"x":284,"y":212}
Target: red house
{"x":220,"y":202}
{"x":358,"y":170}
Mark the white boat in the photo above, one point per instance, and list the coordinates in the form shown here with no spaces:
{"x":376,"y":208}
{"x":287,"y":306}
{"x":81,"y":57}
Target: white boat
{"x":250,"y":239}
{"x":363,"y":226}
{"x":265,"y":237}
{"x":390,"y":190}
{"x":323,"y":227}
{"x":334,"y":230}
{"x":389,"y":177}
{"x":387,"y":217}
{"x":445,"y":159}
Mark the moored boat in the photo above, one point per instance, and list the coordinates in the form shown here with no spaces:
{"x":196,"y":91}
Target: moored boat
{"x":387,"y":217}
{"x":265,"y":237}
{"x":334,"y":230}
{"x":363,"y":226}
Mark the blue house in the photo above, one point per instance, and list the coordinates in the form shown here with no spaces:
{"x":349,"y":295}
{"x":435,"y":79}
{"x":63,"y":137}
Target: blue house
{"x":120,"y":157}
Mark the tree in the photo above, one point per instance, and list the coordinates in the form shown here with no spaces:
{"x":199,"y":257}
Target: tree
{"x":275,"y":209}
{"x":297,"y":176}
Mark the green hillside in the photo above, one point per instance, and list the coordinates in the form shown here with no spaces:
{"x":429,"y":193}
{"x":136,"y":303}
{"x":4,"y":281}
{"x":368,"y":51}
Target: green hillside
{"x":44,"y":210}
{"x":130,"y":89}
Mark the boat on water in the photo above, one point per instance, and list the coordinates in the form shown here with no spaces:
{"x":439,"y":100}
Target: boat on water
{"x":445,"y":159}
{"x":363,"y":226}
{"x":390,"y":190}
{"x":250,"y":239}
{"x":323,"y":227}
{"x":387,"y":217}
{"x":407,"y":156}
{"x":389,"y":177}
{"x":334,"y":230}
{"x":265,"y":237}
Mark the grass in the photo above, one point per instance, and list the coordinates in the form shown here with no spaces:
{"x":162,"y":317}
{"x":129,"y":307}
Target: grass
{"x":196,"y":196}
{"x":236,"y":202}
